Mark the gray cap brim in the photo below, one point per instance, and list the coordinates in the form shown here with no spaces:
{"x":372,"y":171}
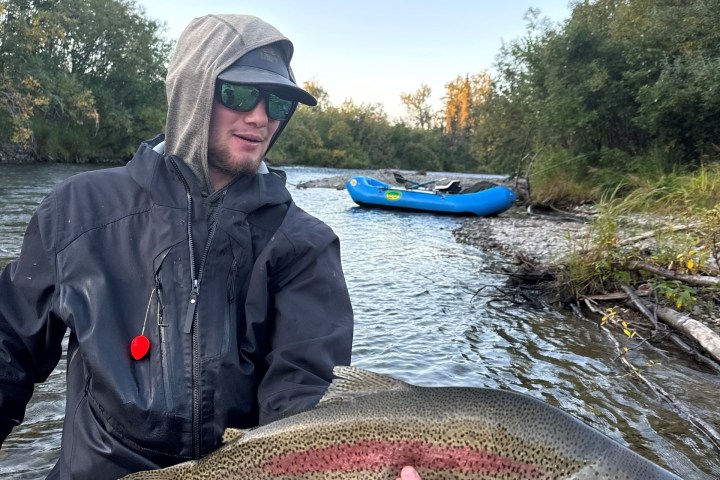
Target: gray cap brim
{"x":272,"y":81}
{"x":266,"y":67}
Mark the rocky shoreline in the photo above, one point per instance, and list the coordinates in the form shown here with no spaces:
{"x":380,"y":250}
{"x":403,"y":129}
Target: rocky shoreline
{"x":531,"y":240}
{"x":13,"y":153}
{"x":543,"y":239}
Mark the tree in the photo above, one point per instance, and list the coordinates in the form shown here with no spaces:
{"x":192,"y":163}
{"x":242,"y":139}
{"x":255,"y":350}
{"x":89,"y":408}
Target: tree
{"x":26,"y":30}
{"x":99,"y":65}
{"x":317,"y":91}
{"x":418,"y":106}
{"x":463,"y":96}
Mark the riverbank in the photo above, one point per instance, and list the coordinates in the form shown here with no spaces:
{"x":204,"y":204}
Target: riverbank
{"x":536,"y":242}
{"x":537,"y":247}
{"x":543,"y":238}
{"x":13,"y":154}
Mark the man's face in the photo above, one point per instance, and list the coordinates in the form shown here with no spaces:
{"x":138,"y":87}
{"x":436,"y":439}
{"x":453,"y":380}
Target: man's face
{"x":237,"y":141}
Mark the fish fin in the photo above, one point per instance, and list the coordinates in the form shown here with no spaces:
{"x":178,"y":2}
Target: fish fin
{"x":352,"y":382}
{"x":231,"y":434}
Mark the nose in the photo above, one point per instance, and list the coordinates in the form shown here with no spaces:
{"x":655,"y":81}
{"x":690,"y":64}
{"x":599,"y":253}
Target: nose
{"x":258,"y":115}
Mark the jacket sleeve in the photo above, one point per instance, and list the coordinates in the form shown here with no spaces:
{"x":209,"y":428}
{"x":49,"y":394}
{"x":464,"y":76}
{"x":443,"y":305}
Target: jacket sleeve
{"x":30,"y":337}
{"x":312,"y":329}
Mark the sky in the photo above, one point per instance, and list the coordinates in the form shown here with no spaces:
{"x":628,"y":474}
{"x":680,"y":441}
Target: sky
{"x":372,"y":51}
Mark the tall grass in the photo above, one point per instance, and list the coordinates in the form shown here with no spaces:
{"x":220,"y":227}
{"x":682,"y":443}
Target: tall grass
{"x":661,"y":204}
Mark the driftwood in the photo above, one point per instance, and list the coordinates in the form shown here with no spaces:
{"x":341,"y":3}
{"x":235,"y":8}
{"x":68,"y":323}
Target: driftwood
{"x":635,"y":299}
{"x":679,"y":407}
{"x":694,"y":353}
{"x":638,"y":304}
{"x":697,"y":280}
{"x":706,"y":338}
{"x":624,"y":295}
{"x":653,"y":233}
{"x":555,"y":214}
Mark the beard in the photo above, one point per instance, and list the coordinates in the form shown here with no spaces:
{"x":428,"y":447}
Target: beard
{"x":221,"y":159}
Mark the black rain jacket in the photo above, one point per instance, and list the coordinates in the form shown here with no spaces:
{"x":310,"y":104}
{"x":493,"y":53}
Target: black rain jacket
{"x":246,"y":310}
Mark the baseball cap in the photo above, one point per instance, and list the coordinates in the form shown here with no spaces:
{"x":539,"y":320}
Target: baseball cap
{"x":266,"y":67}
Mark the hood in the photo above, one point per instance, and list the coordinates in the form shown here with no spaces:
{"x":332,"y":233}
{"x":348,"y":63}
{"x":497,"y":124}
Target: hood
{"x":208,"y":46}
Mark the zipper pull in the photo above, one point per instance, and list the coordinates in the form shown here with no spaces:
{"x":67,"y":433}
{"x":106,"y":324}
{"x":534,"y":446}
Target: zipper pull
{"x":192,"y":306}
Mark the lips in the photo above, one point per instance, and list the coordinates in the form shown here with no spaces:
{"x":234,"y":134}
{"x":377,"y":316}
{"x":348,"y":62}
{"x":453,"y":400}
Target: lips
{"x":249,"y":138}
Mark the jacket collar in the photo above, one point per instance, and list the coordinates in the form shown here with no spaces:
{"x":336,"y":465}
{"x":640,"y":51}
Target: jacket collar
{"x":158,"y":176}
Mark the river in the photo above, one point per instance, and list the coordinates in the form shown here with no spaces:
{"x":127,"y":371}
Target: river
{"x":427,"y":312}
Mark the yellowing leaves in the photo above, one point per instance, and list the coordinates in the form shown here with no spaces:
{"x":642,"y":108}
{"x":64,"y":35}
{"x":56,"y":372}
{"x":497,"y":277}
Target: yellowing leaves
{"x":612,"y":317}
{"x":691,"y":260}
{"x":627,"y":331}
{"x":462,"y":96}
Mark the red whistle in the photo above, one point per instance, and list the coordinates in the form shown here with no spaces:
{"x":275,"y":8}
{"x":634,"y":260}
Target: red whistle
{"x":139,"y":347}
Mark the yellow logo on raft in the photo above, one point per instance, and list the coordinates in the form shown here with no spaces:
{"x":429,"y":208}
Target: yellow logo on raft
{"x":393,"y":195}
{"x":353,"y":182}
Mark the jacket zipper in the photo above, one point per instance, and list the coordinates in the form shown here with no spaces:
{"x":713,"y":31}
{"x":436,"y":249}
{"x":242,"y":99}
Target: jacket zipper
{"x":163,"y":344}
{"x":231,"y":310}
{"x":191,"y":315}
{"x":161,"y":328}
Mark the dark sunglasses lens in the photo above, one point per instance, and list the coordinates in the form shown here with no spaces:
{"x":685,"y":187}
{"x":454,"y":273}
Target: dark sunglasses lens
{"x":278,"y":108}
{"x":239,"y":97}
{"x":244,"y":98}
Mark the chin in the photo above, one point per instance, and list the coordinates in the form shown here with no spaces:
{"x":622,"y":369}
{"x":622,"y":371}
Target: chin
{"x":248,"y":167}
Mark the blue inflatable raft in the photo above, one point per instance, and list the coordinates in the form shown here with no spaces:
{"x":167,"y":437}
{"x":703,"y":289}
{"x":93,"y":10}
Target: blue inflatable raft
{"x":369,"y":192}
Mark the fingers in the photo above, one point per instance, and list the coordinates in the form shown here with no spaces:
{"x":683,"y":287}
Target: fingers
{"x":408,"y":473}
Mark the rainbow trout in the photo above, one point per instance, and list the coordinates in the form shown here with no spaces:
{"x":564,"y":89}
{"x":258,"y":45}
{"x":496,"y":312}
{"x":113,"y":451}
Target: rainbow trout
{"x":368,"y":426}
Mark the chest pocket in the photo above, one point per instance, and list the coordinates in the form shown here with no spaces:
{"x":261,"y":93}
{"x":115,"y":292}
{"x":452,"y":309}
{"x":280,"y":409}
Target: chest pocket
{"x":220,"y":310}
{"x":161,"y":326}
{"x":237,"y":282}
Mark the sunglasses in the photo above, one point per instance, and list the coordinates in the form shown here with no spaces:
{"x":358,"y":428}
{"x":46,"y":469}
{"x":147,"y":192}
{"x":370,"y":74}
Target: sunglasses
{"x":243,"y":98}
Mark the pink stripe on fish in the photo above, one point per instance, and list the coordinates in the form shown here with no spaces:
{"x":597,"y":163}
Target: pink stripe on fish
{"x":370,"y":455}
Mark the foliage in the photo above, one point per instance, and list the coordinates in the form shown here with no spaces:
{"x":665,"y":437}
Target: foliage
{"x":622,"y":92}
{"x":418,"y":107}
{"x":360,"y":136}
{"x":464,"y":96}
{"x":685,"y":240}
{"x":681,"y":295}
{"x":612,"y":317}
{"x":621,"y":87}
{"x":81,"y":79}
{"x":709,"y":230}
{"x":555,"y":176}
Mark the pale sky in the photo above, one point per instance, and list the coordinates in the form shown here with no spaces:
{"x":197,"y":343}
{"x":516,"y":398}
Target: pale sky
{"x":372,"y":51}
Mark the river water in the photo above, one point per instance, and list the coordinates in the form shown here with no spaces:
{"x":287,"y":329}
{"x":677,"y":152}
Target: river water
{"x":427,"y":312}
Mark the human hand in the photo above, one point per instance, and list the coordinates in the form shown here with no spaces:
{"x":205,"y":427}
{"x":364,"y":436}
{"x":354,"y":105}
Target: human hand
{"x":408,"y":473}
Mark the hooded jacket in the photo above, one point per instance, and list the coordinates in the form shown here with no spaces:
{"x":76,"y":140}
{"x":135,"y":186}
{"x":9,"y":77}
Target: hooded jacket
{"x":246,"y":309}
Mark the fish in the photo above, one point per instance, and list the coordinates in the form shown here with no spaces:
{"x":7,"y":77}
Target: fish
{"x":368,"y":426}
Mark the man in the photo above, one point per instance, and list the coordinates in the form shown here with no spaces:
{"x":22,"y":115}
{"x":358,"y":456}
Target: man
{"x":197,"y":295}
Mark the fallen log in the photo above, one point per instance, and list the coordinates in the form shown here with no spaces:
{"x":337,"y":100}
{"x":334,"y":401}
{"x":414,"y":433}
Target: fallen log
{"x":697,"y":280}
{"x":704,"y":336}
{"x":679,"y":407}
{"x":695,"y":353}
{"x":636,"y":303}
{"x":654,"y":233}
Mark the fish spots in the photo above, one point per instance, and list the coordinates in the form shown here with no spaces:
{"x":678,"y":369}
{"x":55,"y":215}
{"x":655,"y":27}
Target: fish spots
{"x":372,"y":455}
